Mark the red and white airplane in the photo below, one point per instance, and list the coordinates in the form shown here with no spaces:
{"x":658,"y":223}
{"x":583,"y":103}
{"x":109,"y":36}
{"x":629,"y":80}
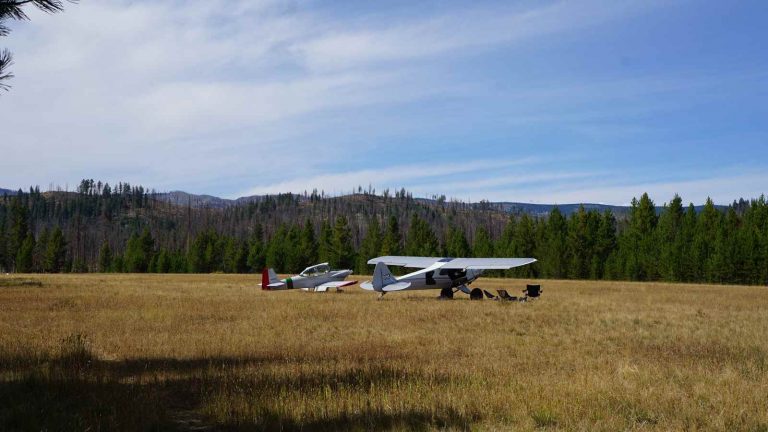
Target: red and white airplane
{"x":319,"y":278}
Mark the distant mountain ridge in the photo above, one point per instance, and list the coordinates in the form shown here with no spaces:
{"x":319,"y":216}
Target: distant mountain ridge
{"x":197,"y":201}
{"x":181,"y":198}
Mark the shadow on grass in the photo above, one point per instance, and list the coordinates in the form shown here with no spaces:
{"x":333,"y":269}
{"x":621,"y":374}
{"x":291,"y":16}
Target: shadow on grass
{"x":413,"y":420}
{"x":76,"y":391}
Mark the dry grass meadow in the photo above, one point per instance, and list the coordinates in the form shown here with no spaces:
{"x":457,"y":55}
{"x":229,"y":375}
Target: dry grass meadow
{"x":212,"y":352}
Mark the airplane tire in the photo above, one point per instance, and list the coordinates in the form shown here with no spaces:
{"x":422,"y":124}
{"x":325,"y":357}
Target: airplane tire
{"x":446,"y":294}
{"x":476,"y":294}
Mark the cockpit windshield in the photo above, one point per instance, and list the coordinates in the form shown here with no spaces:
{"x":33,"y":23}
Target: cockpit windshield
{"x":316,"y":270}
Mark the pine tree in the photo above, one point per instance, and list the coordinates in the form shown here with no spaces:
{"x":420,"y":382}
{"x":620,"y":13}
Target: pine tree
{"x":163,"y":261}
{"x":457,"y":245}
{"x":276,"y":257}
{"x":230,"y":256}
{"x":555,"y":246}
{"x":133,"y":258}
{"x":118,"y":264}
{"x":25,"y":254}
{"x":526,"y":246}
{"x":147,"y":246}
{"x":38,"y":260}
{"x":370,"y":246}
{"x":19,"y":227}
{"x":293,"y":255}
{"x":325,"y":245}
{"x":482,"y":246}
{"x":580,"y":245}
{"x":139,"y":252}
{"x":670,"y":230}
{"x":307,"y":246}
{"x":55,"y":252}
{"x":4,"y":265}
{"x":707,"y":227}
{"x":421,"y":240}
{"x":640,"y":242}
{"x":343,"y":256}
{"x":105,"y":258}
{"x":605,"y":246}
{"x":390,"y":244}
{"x":256,"y":250}
{"x":690,"y":268}
{"x":506,"y":246}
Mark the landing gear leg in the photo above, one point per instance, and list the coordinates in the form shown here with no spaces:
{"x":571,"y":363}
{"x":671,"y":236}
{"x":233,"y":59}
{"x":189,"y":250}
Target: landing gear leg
{"x":446,"y":294}
{"x":381,"y":295}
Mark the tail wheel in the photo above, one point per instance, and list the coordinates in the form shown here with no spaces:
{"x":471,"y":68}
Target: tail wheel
{"x":476,"y":294}
{"x":446,"y":293}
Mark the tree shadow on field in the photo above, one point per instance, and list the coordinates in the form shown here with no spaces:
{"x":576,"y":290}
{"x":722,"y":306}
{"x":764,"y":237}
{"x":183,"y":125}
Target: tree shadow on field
{"x":75,"y":390}
{"x":414,"y":420}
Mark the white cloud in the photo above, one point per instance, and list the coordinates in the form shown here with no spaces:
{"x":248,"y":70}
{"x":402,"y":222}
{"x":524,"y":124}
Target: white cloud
{"x":201,"y":95}
{"x":386,"y":177}
{"x":458,"y":29}
{"x":723,"y":189}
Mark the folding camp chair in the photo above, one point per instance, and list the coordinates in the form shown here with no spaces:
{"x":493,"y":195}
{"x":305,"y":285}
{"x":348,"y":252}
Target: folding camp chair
{"x":532,"y":291}
{"x":504,"y":295}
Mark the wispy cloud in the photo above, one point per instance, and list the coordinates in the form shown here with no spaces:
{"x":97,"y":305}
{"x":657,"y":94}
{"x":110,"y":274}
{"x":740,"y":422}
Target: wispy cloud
{"x":240,"y":96}
{"x":393,"y":176}
{"x":722,"y":189}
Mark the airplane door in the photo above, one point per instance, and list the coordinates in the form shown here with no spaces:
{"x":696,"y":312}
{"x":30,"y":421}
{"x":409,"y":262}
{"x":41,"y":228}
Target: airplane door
{"x":430,"y":278}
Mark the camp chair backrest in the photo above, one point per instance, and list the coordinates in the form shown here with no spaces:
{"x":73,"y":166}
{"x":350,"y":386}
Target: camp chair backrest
{"x":533,"y":290}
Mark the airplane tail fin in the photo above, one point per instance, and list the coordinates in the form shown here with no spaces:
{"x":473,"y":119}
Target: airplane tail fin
{"x":382,"y":277}
{"x":268,"y":276}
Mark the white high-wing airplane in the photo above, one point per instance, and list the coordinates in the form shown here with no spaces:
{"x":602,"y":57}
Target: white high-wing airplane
{"x":444,"y":274}
{"x":318,"y":278}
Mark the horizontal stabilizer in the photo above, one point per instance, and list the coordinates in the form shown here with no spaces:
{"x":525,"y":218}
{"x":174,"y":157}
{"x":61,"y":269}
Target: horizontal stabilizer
{"x":399,"y":286}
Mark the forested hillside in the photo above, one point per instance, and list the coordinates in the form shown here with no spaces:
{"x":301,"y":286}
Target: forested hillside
{"x":125,"y":228}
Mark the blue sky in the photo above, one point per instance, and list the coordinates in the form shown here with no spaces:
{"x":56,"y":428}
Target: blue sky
{"x":533,"y":101}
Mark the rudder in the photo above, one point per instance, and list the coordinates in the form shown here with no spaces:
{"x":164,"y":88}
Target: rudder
{"x":382,"y":277}
{"x":268,"y":276}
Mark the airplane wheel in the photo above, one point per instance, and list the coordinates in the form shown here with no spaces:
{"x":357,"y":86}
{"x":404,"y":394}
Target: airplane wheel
{"x":476,"y":294}
{"x":446,"y":293}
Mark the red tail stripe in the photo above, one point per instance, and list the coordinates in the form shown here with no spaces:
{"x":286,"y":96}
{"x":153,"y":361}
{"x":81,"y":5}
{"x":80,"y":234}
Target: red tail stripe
{"x":265,"y":279}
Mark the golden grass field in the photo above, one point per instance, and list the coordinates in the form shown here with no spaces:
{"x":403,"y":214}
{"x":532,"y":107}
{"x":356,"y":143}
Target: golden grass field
{"x":209,"y":352}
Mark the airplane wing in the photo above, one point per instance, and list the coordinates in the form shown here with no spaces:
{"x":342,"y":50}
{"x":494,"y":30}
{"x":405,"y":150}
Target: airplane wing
{"x":406,"y":261}
{"x":486,"y":263}
{"x":454,"y":263}
{"x":334,"y":284}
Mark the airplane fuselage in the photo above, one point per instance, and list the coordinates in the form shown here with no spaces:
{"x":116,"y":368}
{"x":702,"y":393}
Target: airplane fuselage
{"x":437,"y":278}
{"x":314,"y":281}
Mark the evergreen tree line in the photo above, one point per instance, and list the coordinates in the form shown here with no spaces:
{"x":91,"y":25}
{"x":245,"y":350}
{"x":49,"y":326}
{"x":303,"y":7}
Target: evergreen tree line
{"x":671,"y":243}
